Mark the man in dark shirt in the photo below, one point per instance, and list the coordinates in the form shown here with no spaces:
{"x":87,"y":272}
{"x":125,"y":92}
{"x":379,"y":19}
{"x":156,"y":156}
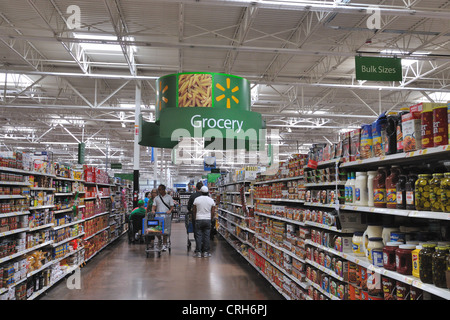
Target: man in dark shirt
{"x":190,"y":207}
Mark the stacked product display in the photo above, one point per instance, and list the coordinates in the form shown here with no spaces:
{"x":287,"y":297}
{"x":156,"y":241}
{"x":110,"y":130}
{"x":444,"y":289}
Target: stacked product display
{"x":48,"y":225}
{"x":364,"y":219}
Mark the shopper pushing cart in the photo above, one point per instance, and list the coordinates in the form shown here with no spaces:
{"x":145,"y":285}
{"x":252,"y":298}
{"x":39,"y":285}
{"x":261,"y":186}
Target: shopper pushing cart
{"x":163,"y":203}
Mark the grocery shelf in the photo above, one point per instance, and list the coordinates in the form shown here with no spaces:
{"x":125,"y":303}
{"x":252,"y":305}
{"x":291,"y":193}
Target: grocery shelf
{"x":322,"y":205}
{"x":21,"y":253}
{"x":300,"y":223}
{"x":399,"y":212}
{"x":325,"y":183}
{"x":68,"y":224}
{"x":404,"y":158}
{"x":13,"y":183}
{"x":42,"y":207}
{"x":280,"y":200}
{"x":67,"y":240}
{"x":13,"y":214}
{"x":8,"y":233}
{"x":279,"y":290}
{"x":278,"y":180}
{"x":364,"y":262}
{"x":11,"y":196}
{"x":48,"y":225}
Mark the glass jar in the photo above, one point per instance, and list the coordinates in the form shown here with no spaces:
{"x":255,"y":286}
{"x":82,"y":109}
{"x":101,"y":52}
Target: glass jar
{"x":447,"y":272}
{"x":439,"y":265}
{"x":426,"y":262}
{"x":410,"y":186}
{"x":435,"y":191}
{"x":422,"y":193}
{"x":445,"y":192}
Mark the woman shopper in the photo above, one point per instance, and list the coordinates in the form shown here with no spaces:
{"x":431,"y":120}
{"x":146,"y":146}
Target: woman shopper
{"x":203,"y":214}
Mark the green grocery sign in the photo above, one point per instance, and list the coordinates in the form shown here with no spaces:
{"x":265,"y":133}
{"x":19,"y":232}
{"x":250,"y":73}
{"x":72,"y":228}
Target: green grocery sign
{"x":214,"y":106}
{"x":378,"y":69}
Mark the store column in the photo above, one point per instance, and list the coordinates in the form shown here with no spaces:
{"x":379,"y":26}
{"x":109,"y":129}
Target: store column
{"x":137,"y":113}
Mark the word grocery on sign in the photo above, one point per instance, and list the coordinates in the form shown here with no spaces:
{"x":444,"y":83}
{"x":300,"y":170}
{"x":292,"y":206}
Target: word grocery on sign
{"x":216,"y":123}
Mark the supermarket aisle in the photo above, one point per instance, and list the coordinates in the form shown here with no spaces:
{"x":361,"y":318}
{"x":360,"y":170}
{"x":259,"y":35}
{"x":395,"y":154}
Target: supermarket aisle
{"x":122,"y":271}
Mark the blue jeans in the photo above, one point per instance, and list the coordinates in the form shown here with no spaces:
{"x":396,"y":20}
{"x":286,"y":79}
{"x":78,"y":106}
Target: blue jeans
{"x":202,"y":232}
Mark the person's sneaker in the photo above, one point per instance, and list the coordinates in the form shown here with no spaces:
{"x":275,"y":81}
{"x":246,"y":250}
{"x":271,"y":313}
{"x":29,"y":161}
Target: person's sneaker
{"x":197,"y":255}
{"x":164,"y":247}
{"x":206,"y":254}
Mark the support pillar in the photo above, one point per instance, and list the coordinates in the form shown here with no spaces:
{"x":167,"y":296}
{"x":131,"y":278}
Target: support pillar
{"x":136,"y":144}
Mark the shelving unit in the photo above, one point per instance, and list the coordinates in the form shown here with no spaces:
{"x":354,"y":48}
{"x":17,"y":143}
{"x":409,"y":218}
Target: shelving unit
{"x":292,"y":242}
{"x":49,"y":213}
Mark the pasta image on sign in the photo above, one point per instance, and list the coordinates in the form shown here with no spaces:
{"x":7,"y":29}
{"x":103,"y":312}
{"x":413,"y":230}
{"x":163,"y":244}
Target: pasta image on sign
{"x":195,"y":90}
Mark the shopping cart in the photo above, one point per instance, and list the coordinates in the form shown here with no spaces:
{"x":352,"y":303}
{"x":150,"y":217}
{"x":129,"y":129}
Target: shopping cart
{"x":189,"y":229}
{"x":158,"y":226}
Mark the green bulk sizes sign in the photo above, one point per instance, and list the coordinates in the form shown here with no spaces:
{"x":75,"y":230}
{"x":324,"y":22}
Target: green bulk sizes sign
{"x":213,"y":106}
{"x":378,"y":69}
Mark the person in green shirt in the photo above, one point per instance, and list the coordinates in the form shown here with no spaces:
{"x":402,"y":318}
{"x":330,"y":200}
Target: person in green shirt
{"x":135,"y":219}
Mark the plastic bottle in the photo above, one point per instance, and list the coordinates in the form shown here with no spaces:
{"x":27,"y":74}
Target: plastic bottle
{"x":379,"y":188}
{"x":401,"y":191}
{"x":347,"y":188}
{"x":351,"y":190}
{"x":410,"y":186}
{"x":361,"y":192}
{"x":391,"y":187}
{"x":370,"y":177}
{"x":416,"y":261}
{"x":390,"y":143}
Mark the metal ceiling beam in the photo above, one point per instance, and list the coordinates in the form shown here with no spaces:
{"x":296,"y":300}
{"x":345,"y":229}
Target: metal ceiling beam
{"x":120,"y":28}
{"x":321,"y":6}
{"x":73,"y":49}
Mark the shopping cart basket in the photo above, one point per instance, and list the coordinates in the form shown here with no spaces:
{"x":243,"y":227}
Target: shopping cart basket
{"x":189,"y":223}
{"x":160,"y":225}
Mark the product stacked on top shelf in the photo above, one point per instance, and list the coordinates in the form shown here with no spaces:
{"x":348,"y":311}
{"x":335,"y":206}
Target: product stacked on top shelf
{"x":45,"y":228}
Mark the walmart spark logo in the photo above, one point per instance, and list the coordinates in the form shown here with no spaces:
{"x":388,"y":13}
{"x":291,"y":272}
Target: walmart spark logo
{"x":227,"y":93}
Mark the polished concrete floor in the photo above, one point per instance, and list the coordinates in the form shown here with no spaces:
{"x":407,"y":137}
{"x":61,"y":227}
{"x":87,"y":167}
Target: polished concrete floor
{"x":122,"y":271}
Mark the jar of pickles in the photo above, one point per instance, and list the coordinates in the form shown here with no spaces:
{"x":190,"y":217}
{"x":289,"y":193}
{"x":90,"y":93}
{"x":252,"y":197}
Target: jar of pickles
{"x":426,"y":262}
{"x":422,"y":192}
{"x":439,"y":265}
{"x":435,"y":191}
{"x":445,"y":192}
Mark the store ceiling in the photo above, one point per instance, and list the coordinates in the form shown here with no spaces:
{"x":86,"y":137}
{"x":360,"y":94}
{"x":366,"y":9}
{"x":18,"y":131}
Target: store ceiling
{"x":63,"y":85}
